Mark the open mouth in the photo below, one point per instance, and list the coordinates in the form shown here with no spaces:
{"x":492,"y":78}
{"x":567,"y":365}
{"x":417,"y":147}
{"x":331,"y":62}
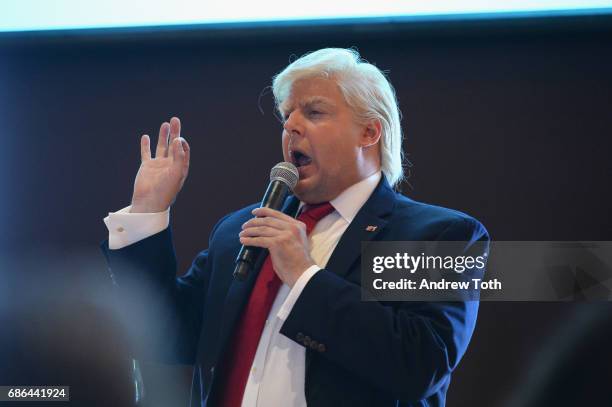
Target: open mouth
{"x":300,"y":159}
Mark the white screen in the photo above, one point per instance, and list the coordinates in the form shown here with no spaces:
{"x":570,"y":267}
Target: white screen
{"x":29,"y":15}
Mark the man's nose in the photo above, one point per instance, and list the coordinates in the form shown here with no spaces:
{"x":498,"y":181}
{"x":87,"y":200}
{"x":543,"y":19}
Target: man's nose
{"x":293,"y":125}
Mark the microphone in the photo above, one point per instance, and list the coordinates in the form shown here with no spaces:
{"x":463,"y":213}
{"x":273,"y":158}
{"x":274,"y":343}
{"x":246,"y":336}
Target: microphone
{"x":283,"y":177}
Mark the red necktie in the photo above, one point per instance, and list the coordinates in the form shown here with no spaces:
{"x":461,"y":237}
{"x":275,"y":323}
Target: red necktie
{"x":240,"y":354}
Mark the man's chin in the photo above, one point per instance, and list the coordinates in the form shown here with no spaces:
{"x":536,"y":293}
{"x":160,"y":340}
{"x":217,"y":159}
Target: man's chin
{"x":300,"y":190}
{"x":307,"y":171}
{"x":303,"y":190}
{"x":308,"y":191}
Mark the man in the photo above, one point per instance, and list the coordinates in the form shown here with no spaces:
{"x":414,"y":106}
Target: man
{"x":317,"y":342}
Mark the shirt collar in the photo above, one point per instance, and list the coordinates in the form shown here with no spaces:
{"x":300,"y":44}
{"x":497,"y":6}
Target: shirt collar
{"x":350,"y":201}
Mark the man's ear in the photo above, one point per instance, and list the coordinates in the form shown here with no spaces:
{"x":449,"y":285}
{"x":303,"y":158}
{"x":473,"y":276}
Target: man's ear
{"x":372,"y":133}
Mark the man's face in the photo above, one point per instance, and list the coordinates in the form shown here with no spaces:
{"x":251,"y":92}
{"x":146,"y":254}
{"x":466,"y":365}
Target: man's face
{"x":322,"y":138}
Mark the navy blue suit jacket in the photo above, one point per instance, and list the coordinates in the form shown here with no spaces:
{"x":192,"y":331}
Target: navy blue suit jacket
{"x":373,"y":353}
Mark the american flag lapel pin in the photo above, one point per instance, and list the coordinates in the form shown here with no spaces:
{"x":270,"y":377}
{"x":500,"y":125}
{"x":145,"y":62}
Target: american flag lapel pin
{"x":371,"y":228}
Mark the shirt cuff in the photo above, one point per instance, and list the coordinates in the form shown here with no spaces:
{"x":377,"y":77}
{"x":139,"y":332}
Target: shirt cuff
{"x":295,"y":292}
{"x":125,"y":228}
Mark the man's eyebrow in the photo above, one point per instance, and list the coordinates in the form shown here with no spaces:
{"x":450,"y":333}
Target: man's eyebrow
{"x":316,"y":100}
{"x":308,"y":102}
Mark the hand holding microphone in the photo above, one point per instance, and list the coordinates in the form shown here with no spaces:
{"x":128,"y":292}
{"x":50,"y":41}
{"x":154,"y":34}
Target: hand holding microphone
{"x":268,"y":230}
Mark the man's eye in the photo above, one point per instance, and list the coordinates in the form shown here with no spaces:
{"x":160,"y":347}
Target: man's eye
{"x":315,"y":113}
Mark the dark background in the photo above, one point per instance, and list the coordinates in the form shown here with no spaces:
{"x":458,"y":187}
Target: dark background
{"x":509,"y":121}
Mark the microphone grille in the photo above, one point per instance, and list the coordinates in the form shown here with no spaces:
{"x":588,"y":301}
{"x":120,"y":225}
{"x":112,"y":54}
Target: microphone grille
{"x":285,"y":172}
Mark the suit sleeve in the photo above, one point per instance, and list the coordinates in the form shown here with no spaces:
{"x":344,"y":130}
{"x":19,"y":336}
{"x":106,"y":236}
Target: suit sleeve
{"x":406,"y":349}
{"x":162,"y":312}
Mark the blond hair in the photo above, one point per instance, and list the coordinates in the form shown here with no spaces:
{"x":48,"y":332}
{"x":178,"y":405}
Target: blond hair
{"x":365,"y":89}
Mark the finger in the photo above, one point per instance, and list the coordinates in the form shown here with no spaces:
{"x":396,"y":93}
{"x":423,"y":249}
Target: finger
{"x":264,"y":242}
{"x":187,"y":151}
{"x":145,"y":148}
{"x":259,"y":231}
{"x":270,"y":222}
{"x":176,"y":149}
{"x":162,"y":140}
{"x":263,"y":212}
{"x":175,"y":129}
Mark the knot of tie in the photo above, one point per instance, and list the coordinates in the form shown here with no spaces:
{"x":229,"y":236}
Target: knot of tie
{"x":311,"y":214}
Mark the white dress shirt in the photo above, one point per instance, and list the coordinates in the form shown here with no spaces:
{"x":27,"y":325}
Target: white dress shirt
{"x":278,"y":372}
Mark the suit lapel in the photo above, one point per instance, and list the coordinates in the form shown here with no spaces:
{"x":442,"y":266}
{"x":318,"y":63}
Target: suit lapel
{"x":368,"y":223}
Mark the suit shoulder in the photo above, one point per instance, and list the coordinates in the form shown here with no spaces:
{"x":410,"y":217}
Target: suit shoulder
{"x":434,"y":222}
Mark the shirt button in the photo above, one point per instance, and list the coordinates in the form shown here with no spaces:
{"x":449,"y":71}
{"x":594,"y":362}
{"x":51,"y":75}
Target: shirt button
{"x":120,"y":229}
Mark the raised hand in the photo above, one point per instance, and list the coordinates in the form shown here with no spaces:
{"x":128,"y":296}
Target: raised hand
{"x":160,"y":179}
